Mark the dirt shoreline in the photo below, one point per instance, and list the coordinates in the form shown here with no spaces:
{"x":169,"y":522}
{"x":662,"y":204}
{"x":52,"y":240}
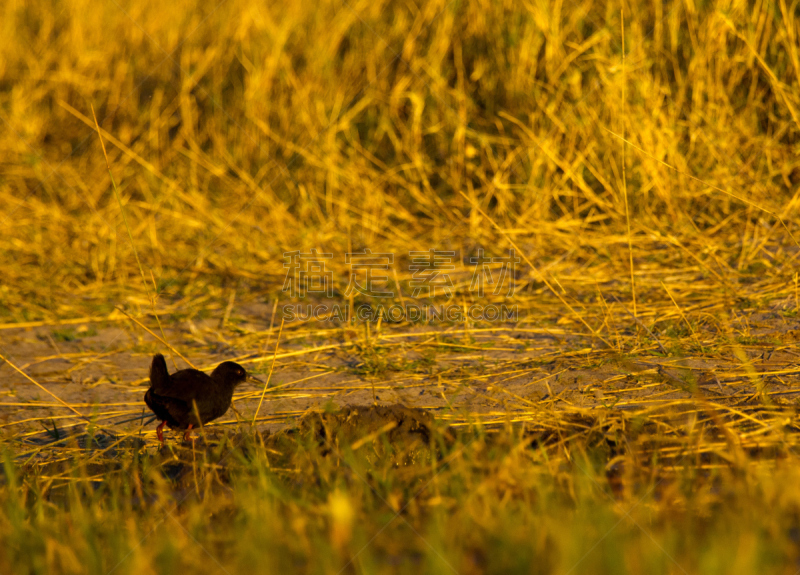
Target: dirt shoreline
{"x":100,"y":370}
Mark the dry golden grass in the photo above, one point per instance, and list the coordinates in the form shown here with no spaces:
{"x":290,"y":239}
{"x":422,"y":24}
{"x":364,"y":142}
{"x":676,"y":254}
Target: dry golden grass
{"x":650,"y":382}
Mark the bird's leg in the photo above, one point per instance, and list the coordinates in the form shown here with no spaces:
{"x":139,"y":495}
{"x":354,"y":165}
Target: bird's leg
{"x":159,"y":433}
{"x":188,"y":435}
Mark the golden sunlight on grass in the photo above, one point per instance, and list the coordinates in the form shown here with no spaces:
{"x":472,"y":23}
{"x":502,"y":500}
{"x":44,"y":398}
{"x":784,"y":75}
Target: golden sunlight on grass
{"x":637,"y":412}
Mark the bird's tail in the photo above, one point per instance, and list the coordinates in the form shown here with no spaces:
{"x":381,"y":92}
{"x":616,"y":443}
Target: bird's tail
{"x":159,"y":376}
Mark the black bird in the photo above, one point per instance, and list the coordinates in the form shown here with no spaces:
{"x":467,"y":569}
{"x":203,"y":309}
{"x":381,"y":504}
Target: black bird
{"x":178,"y":399}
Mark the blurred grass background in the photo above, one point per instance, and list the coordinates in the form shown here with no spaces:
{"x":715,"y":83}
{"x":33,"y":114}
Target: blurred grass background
{"x":237,"y":131}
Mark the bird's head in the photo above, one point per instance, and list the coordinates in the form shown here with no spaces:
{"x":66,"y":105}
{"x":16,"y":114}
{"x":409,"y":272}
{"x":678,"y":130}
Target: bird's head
{"x":230,"y":373}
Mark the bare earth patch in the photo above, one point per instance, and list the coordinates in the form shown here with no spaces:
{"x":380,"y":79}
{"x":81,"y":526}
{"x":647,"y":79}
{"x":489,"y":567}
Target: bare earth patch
{"x":495,"y":375}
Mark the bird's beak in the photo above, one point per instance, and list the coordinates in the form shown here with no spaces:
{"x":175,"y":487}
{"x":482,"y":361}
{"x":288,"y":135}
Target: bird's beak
{"x":254,"y":378}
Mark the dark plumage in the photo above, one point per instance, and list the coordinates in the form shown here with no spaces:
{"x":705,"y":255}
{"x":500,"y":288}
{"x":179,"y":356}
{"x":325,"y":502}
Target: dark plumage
{"x":178,"y":399}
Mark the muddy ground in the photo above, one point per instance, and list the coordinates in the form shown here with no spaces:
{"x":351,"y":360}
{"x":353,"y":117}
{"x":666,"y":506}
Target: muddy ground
{"x":499,"y":374}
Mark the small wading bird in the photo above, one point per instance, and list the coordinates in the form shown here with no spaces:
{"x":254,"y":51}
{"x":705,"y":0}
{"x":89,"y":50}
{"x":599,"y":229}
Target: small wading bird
{"x":189,"y":398}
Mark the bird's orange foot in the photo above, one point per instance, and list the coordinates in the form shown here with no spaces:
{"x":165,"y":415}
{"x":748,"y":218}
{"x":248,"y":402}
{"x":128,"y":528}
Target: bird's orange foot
{"x":159,"y":433}
{"x":188,"y":435}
